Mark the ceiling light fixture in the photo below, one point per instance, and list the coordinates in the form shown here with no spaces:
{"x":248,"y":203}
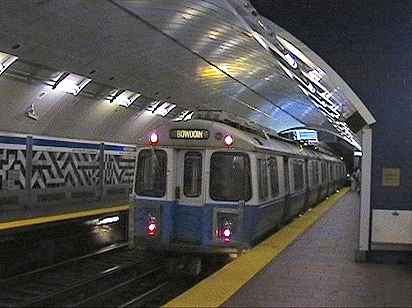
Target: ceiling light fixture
{"x":123,"y":97}
{"x":161,"y":108}
{"x":70,"y":83}
{"x":5,"y":61}
{"x":185,"y":115}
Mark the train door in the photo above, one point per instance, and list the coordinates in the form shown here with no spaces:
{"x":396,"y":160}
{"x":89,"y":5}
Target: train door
{"x":323,"y":180}
{"x":287,"y":175}
{"x":189,"y":195}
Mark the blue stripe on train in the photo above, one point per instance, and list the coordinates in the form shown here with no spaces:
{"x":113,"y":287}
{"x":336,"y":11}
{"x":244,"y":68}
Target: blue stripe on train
{"x":194,"y":224}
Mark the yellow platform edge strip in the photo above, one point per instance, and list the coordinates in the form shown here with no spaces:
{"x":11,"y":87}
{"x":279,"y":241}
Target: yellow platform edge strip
{"x":46,"y":219}
{"x":217,"y":288}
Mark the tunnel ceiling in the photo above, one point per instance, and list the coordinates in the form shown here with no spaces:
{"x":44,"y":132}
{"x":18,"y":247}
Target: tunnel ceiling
{"x":176,"y":57}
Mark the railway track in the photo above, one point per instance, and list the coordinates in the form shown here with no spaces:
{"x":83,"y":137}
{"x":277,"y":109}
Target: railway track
{"x":116,"y":277}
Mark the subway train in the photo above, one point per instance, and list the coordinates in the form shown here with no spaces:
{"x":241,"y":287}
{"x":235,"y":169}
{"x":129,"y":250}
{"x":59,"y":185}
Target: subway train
{"x":217,"y":184}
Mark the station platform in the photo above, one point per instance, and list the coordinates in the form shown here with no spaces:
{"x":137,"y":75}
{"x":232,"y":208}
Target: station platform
{"x":308,"y":263}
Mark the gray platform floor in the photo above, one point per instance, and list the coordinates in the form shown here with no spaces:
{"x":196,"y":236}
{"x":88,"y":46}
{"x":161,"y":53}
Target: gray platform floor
{"x":319,"y":270}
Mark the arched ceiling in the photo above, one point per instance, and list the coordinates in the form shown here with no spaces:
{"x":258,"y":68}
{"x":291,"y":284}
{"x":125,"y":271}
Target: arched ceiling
{"x":179,"y":56}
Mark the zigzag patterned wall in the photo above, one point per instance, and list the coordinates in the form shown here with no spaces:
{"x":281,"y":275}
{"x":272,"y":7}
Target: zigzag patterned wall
{"x":118,"y":169}
{"x":73,"y":168}
{"x":59,"y":169}
{"x":12,"y":169}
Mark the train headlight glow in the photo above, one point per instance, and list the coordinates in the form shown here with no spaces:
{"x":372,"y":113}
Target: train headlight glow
{"x":226,"y":232}
{"x":153,"y":138}
{"x":151,"y":228}
{"x":228,"y":140}
{"x":151,"y":225}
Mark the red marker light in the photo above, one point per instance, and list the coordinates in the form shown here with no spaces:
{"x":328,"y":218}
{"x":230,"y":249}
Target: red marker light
{"x":154,"y":138}
{"x":226,"y":233}
{"x":228,"y":140}
{"x":151,"y":228}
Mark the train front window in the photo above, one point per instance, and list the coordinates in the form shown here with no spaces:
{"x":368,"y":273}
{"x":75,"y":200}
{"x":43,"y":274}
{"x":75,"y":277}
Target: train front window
{"x":192,"y":174}
{"x":230,"y":177}
{"x":151,"y":173}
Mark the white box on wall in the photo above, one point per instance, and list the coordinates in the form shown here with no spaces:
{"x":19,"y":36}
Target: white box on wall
{"x":391,"y":227}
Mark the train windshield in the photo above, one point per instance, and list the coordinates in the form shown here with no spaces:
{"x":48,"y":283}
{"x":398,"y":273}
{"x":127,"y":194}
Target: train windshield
{"x":151,"y":173}
{"x":230,"y":177}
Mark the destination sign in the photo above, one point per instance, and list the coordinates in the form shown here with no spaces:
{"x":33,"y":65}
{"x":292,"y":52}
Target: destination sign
{"x":189,"y":134}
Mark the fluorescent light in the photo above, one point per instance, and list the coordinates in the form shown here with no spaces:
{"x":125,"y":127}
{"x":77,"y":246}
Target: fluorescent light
{"x":161,"y":108}
{"x":5,"y":61}
{"x":185,"y":115}
{"x":290,"y":60}
{"x":108,"y":220}
{"x":123,"y":97}
{"x":260,"y":23}
{"x":70,"y":83}
{"x":260,"y":39}
{"x":315,"y":75}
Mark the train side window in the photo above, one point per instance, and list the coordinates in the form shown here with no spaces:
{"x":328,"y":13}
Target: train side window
{"x":274,"y":177}
{"x":315,"y":173}
{"x":151,"y":173}
{"x":311,"y":173}
{"x":192,"y":174}
{"x":230,"y":177}
{"x":298,"y":174}
{"x":324,"y":170}
{"x":263,"y":179}
{"x":320,"y":172}
{"x":330,"y":172}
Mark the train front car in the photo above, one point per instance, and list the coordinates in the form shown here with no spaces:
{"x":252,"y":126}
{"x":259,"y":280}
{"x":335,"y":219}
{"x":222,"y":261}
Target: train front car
{"x":192,"y":183}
